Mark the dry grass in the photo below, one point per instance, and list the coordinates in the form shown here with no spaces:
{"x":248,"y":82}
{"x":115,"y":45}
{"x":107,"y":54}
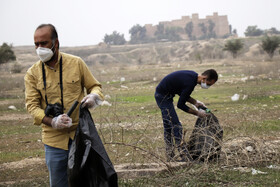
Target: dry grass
{"x":131,"y":129}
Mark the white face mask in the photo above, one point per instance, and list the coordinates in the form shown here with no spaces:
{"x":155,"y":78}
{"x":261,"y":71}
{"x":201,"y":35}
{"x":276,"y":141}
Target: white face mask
{"x":204,"y":85}
{"x":45,"y":54}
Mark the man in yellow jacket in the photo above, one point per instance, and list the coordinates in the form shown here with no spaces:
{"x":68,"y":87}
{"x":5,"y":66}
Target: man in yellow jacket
{"x":52,"y":85}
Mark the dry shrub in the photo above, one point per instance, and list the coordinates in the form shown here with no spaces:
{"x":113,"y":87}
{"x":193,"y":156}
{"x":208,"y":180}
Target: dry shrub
{"x":246,"y":151}
{"x":235,"y":150}
{"x":264,"y":69}
{"x":16,"y":68}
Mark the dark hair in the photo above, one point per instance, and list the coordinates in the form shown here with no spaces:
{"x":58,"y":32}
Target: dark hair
{"x":54,"y":34}
{"x":211,"y":74}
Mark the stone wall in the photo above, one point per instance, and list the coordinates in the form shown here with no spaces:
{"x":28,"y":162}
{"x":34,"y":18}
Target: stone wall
{"x":221,"y":25}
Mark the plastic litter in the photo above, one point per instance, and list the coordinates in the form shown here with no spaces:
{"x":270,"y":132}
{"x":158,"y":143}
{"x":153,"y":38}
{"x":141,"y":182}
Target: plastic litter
{"x":100,"y":102}
{"x":249,"y":148}
{"x":12,"y":107}
{"x":255,"y":172}
{"x":235,"y":97}
{"x":273,"y":167}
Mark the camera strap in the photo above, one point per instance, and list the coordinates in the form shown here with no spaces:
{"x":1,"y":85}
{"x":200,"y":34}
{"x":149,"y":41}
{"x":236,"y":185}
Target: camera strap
{"x":60,"y":79}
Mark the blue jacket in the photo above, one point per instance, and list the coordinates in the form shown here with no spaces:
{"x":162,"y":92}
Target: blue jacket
{"x":181,"y":83}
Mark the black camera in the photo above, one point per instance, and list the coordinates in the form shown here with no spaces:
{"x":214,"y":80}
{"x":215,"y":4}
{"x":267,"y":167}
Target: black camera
{"x":54,"y":110}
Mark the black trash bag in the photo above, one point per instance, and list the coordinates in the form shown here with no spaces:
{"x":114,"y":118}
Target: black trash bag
{"x":88,"y":163}
{"x":205,"y":141}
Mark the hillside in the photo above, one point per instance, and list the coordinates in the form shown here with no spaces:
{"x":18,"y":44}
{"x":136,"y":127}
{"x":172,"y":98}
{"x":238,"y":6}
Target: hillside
{"x":157,"y":53}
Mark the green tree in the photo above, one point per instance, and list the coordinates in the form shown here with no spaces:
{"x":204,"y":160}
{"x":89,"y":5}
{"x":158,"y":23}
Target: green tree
{"x":160,"y":29}
{"x":203,"y":30}
{"x":272,"y":30}
{"x":138,"y":34}
{"x":253,"y":31}
{"x":114,"y":39}
{"x":233,"y":46}
{"x":6,"y":53}
{"x":169,"y":33}
{"x":160,"y":33}
{"x":189,"y":29}
{"x":211,"y":32}
{"x":270,"y":44}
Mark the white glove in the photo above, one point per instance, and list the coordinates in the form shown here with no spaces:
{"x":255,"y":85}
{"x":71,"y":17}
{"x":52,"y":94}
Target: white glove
{"x":199,"y":104}
{"x":91,"y":101}
{"x":201,"y":114}
{"x":62,"y":121}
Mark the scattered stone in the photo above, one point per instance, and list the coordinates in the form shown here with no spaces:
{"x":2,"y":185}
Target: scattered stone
{"x":244,"y":79}
{"x":107,"y":97}
{"x":242,"y":169}
{"x":245,"y":97}
{"x":122,"y":86}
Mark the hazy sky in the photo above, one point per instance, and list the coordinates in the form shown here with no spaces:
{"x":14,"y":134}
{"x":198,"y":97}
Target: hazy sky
{"x":85,"y":22}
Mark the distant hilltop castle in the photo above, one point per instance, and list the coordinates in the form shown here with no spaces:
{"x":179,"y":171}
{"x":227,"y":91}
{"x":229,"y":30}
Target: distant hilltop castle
{"x":216,"y":24}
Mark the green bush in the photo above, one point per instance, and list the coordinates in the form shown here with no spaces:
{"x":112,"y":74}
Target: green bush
{"x":270,"y":44}
{"x":6,"y":53}
{"x":233,"y":46}
{"x":114,"y":39}
{"x":253,"y":31}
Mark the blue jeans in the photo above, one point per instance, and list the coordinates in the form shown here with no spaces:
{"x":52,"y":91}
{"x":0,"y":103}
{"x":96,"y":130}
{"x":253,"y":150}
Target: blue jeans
{"x":171,"y":123}
{"x":57,"y":160}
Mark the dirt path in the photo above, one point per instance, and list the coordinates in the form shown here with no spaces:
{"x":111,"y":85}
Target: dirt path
{"x":12,"y":117}
{"x":27,"y":162}
{"x":130,"y":170}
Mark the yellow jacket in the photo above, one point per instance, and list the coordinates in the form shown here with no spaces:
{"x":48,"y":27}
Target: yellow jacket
{"x":77,"y":79}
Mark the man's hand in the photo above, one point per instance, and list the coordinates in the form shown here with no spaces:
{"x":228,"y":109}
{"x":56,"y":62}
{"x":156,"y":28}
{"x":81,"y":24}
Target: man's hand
{"x":62,"y":121}
{"x":201,"y":113}
{"x":199,"y":104}
{"x":91,"y":101}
